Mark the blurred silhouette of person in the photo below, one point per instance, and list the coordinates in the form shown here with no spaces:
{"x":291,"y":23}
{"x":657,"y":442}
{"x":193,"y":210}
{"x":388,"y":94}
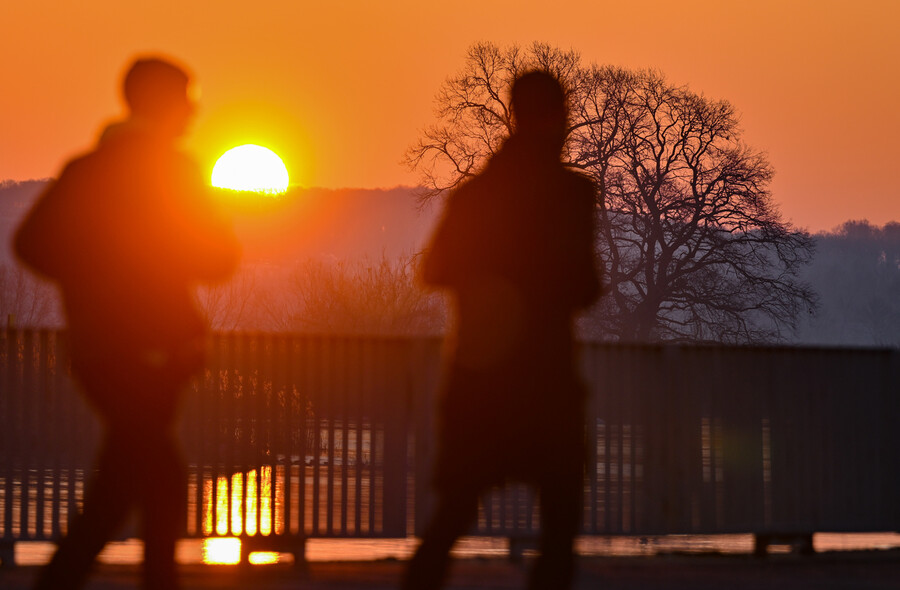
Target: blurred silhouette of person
{"x":515,"y":249}
{"x":126,"y":231}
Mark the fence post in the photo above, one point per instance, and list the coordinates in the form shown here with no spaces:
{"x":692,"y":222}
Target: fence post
{"x":396,"y":436}
{"x":424,"y":390}
{"x":7,"y":554}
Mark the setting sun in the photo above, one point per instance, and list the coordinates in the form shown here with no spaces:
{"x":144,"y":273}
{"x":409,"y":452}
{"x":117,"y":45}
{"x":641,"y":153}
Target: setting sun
{"x":250,"y":168}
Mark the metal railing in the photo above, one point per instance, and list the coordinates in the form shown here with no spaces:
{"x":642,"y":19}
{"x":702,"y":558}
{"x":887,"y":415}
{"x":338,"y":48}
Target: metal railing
{"x":291,"y":436}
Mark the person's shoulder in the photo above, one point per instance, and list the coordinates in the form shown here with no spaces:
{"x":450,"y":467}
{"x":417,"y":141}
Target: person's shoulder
{"x":79,"y":165}
{"x":579,"y":186}
{"x":578,"y":179}
{"x":468,"y":190}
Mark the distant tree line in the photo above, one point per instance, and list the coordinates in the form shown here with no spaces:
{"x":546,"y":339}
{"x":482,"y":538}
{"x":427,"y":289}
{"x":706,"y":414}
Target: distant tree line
{"x":856,"y":272}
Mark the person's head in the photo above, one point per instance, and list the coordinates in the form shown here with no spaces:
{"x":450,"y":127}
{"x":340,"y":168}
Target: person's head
{"x":539,"y":105}
{"x":157,"y":91}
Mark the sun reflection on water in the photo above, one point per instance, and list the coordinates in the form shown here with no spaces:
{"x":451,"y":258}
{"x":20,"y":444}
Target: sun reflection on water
{"x":222,"y":515}
{"x":227,"y":551}
{"x":221,"y":550}
{"x":264,"y":557}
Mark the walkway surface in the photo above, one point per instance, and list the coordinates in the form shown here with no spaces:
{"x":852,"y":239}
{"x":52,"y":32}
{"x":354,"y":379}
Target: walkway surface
{"x":872,"y":570}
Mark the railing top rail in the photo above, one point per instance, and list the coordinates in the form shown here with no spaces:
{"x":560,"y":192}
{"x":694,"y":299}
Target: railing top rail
{"x":594,"y":344}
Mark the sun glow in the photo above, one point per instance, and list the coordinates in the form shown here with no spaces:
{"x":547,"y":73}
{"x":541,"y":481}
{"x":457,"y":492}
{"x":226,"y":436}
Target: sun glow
{"x":250,"y":167}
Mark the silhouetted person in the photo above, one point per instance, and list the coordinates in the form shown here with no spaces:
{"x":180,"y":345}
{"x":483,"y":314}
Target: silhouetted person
{"x":515,"y":249}
{"x":126,"y":231}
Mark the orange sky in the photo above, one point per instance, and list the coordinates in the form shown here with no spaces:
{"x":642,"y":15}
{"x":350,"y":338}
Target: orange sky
{"x":339,"y":89}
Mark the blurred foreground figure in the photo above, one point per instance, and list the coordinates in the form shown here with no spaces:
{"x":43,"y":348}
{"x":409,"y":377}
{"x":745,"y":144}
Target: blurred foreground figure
{"x":126,"y":231}
{"x":515,"y":248}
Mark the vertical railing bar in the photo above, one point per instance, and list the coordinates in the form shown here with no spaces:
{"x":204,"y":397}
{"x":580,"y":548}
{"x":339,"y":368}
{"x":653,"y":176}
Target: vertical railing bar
{"x":239,"y":409}
{"x":74,"y":430}
{"x":12,"y":396}
{"x":685,"y":426}
{"x":302,"y":349}
{"x":272,"y":422}
{"x":331,"y":367}
{"x":622,"y":463}
{"x":603,"y":446}
{"x":6,"y":394}
{"x":238,"y":438}
{"x":58,"y":375}
{"x":362,"y":379}
{"x":28,"y":427}
{"x":278,"y":414}
{"x":370,"y":395}
{"x":232,"y":359}
{"x":244,"y":405}
{"x":345,"y":383}
{"x":224,"y":428}
{"x":207,"y":441}
{"x":219,"y":393}
{"x":260,"y":427}
{"x":217,"y":399}
{"x":599,"y":445}
{"x":265,"y":491}
{"x":247,"y":416}
{"x":513,"y":518}
{"x":596,"y":442}
{"x":287,"y":383}
{"x":44,"y":397}
{"x":595,"y":362}
{"x":378,"y":409}
{"x":631,"y":419}
{"x":319,"y":369}
{"x":609,"y":504}
{"x":205,"y":385}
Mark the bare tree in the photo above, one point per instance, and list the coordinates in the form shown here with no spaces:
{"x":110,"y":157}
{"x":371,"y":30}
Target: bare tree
{"x":693,"y":245}
{"x":26,"y":300}
{"x":360,"y":297}
{"x":231,"y":305}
